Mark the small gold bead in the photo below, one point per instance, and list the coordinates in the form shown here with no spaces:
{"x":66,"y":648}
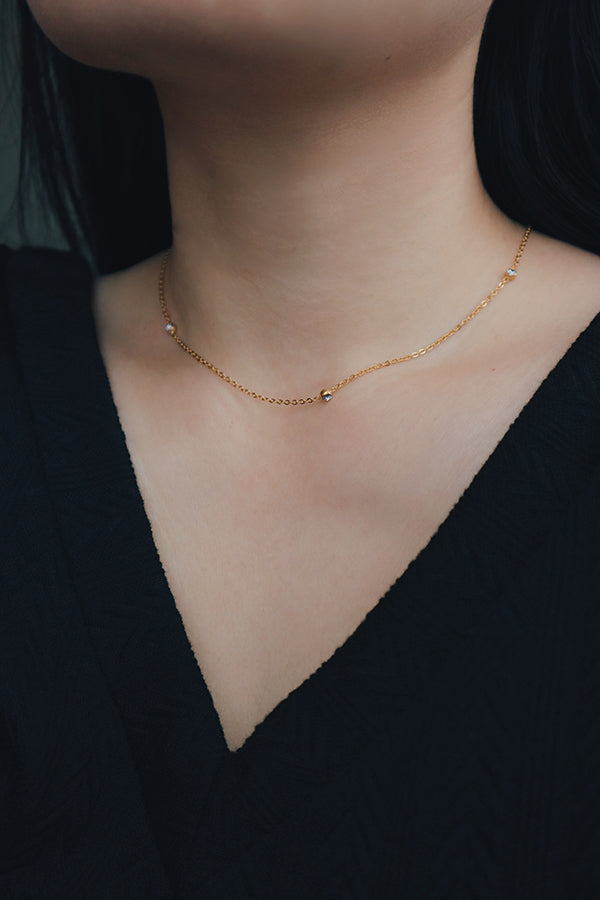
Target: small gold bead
{"x":325,"y":395}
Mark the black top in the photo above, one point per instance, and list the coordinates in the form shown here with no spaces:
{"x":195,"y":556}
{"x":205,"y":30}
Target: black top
{"x":450,"y":748}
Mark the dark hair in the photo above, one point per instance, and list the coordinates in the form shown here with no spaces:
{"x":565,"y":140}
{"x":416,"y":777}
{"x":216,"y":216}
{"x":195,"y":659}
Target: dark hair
{"x":93,"y":140}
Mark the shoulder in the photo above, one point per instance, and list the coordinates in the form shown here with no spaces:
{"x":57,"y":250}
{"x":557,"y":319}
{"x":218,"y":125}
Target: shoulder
{"x":40,"y":289}
{"x":44,"y":308}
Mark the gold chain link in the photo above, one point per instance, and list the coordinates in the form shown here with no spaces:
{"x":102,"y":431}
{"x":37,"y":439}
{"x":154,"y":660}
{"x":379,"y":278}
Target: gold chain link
{"x":327,"y":393}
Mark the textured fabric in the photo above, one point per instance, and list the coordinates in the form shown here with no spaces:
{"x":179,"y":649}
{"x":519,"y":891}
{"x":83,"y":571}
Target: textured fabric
{"x":450,"y":748}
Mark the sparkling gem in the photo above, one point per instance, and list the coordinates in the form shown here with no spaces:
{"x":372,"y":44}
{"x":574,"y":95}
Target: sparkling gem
{"x":511,"y":273}
{"x":170,"y":328}
{"x":326,"y":395}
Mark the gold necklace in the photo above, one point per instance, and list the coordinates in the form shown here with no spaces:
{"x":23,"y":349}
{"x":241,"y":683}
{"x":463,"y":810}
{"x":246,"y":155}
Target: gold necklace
{"x":327,"y":393}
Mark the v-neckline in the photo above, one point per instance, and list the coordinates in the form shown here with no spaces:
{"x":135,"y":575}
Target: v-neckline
{"x":395,"y":588}
{"x":192,"y":782}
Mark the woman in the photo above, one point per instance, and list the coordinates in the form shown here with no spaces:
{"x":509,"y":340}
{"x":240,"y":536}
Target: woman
{"x":343,"y":647}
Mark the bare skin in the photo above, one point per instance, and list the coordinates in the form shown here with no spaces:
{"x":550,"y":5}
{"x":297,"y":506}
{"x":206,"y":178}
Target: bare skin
{"x":328,"y":214}
{"x":278,"y":528}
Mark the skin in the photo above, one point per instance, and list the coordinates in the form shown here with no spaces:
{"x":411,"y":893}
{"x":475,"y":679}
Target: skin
{"x":328,"y":214}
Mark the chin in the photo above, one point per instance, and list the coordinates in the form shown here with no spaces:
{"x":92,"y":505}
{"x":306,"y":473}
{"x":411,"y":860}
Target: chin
{"x":140,"y":35}
{"x":181,"y":38}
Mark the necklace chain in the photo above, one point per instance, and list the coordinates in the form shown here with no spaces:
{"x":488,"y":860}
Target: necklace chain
{"x":327,"y":393}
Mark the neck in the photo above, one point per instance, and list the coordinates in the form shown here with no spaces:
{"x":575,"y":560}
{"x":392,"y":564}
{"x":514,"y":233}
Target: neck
{"x":313,"y":239}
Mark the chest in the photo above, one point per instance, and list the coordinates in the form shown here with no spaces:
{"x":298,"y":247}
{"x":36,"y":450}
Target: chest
{"x":276,"y":550}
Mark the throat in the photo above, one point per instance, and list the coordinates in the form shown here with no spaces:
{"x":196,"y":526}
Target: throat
{"x":309,"y":248}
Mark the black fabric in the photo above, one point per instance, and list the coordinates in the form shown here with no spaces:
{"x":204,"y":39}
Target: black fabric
{"x":450,"y":748}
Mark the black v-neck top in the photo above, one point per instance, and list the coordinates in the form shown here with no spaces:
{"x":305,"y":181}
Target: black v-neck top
{"x":450,"y":748}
